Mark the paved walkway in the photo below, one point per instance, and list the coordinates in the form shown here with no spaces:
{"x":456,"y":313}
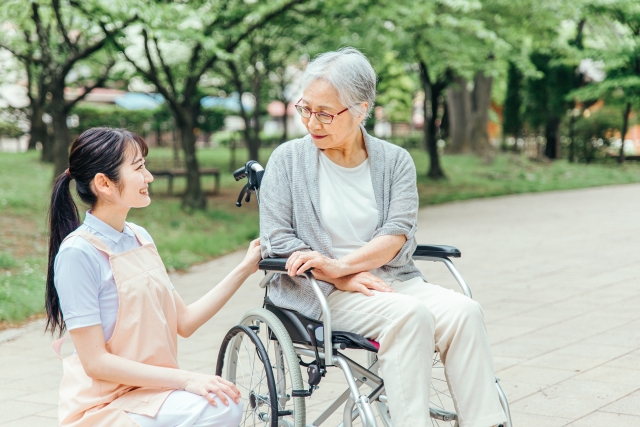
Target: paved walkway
{"x":558,"y":275}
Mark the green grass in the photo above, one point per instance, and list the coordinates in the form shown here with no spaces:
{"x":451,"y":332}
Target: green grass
{"x":184,"y":239}
{"x":470,"y":177}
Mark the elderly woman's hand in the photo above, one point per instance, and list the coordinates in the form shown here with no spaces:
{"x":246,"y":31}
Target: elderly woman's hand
{"x":364,"y":282}
{"x":299,"y":262}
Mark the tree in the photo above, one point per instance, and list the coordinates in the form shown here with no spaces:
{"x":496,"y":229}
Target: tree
{"x":62,"y":40}
{"x":176,"y":44}
{"x":615,"y":42}
{"x":512,"y":116}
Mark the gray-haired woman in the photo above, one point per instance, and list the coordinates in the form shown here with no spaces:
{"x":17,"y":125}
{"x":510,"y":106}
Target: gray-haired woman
{"x":346,"y":203}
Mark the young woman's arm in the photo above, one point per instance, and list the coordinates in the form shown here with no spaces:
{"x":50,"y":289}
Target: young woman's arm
{"x":192,"y":316}
{"x":99,"y":364}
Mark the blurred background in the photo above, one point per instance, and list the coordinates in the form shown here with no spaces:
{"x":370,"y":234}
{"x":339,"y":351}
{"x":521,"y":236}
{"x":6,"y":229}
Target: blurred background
{"x":490,"y":97}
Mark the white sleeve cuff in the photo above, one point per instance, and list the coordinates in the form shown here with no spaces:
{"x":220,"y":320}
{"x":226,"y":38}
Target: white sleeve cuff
{"x":83,"y":321}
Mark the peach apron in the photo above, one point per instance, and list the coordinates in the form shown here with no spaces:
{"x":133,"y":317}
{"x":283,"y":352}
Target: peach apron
{"x":145,"y":332}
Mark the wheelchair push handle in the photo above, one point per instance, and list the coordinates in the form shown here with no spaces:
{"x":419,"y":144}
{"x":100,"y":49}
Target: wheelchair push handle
{"x":254,"y":172}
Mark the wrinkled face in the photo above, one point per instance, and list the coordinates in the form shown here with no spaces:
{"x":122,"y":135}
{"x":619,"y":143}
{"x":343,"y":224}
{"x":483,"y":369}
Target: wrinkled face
{"x":134,"y":181}
{"x":320,"y":96}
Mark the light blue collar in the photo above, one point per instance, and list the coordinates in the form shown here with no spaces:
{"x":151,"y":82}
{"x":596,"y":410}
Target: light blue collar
{"x":105,"y":229}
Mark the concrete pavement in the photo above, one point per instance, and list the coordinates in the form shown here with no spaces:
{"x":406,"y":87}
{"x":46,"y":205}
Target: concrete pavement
{"x":558,"y":276}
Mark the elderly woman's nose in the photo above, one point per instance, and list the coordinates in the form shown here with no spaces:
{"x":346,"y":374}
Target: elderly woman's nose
{"x":313,"y":122}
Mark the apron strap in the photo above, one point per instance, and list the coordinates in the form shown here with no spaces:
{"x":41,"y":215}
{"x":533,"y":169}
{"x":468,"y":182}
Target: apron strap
{"x":139,"y":235}
{"x":94,"y":240}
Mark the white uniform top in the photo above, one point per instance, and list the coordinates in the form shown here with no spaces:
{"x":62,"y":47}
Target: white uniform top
{"x":83,"y":278}
{"x":348,"y":208}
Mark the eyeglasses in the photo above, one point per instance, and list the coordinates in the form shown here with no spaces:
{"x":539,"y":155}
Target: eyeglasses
{"x":322,"y":117}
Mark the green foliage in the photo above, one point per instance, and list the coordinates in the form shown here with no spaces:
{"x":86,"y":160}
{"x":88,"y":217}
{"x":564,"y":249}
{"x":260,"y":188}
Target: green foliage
{"x":395,"y":88}
{"x":94,"y":115}
{"x":10,"y":129}
{"x":211,"y":119}
{"x":593,"y":134}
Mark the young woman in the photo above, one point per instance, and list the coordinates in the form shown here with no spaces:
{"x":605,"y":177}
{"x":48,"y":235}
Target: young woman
{"x":107,"y":285}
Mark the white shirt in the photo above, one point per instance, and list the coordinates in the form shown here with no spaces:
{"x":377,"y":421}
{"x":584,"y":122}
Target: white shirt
{"x":348,"y":208}
{"x":83,"y":277}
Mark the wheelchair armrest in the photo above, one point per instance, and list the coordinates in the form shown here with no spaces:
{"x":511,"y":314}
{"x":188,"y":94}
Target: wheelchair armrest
{"x":273,"y":264}
{"x":440,"y":251}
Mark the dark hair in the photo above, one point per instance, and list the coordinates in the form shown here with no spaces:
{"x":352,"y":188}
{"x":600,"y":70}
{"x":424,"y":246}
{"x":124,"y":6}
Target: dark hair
{"x":96,"y":150}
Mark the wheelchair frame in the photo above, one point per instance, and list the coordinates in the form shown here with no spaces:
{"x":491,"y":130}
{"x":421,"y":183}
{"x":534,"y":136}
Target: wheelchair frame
{"x":355,"y":374}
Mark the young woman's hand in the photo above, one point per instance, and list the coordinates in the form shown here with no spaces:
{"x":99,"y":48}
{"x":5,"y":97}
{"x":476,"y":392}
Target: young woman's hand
{"x":204,"y":385}
{"x":364,"y":282}
{"x":253,"y":256}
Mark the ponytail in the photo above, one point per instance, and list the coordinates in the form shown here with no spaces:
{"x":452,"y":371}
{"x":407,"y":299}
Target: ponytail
{"x":97,"y":150}
{"x":63,"y":219}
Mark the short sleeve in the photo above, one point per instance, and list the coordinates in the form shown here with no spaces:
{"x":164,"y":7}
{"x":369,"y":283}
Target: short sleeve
{"x":77,"y":282}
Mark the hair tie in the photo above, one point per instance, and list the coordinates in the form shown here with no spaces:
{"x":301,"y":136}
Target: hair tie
{"x":66,"y":172}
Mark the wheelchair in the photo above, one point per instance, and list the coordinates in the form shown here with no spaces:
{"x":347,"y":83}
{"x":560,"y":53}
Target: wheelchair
{"x":264,"y":353}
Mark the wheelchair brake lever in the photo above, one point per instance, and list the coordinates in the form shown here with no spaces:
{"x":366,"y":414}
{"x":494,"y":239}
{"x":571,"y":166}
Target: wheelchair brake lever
{"x":242,"y":193}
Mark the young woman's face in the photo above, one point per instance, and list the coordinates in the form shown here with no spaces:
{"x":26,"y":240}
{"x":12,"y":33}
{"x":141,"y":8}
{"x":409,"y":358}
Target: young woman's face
{"x":320,"y":96}
{"x":134,"y":181}
{"x":132,"y":191}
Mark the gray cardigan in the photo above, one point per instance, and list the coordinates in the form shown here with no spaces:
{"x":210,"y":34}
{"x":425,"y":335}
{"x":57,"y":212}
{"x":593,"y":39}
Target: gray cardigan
{"x":290,"y":213}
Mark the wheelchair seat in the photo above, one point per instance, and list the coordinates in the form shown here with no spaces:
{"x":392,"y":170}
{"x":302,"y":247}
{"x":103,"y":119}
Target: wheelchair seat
{"x":297,"y":325}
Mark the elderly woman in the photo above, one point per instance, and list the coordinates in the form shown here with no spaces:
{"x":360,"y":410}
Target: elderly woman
{"x":346,"y":204}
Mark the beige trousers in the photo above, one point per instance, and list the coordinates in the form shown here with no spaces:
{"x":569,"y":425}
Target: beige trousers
{"x":410,"y":325}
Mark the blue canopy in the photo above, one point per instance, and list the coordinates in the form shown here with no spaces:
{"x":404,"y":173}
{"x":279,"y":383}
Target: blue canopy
{"x":140,"y":101}
{"x":231,"y":103}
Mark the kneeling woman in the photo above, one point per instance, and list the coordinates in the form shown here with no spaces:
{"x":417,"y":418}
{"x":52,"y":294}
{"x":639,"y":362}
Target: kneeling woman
{"x":108,"y":286}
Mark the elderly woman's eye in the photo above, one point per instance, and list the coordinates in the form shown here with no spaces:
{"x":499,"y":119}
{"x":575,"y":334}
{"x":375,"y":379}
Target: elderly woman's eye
{"x":324,"y":117}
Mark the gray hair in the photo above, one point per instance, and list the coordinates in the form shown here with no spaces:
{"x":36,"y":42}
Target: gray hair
{"x":351,"y":75}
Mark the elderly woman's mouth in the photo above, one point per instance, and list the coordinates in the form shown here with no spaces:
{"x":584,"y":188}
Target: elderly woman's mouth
{"x":314,"y":136}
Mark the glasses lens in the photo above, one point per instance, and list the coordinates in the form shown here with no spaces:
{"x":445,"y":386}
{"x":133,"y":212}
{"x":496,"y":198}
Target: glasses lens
{"x":324,"y":118}
{"x":304,"y":112}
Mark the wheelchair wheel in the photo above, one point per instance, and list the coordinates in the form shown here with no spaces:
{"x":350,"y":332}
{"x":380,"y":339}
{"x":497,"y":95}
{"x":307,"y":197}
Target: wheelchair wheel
{"x":441,"y":406}
{"x":248,"y":367}
{"x":281,"y":364}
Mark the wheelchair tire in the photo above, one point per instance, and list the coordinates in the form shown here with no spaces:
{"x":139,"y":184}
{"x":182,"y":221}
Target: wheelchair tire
{"x":284,"y":364}
{"x":441,"y":406}
{"x":253,"y":378}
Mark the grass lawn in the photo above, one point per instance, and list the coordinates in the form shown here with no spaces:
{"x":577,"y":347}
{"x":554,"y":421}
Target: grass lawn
{"x":184,"y":239}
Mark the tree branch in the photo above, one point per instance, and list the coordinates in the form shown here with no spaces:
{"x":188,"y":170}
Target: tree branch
{"x":193,"y":80}
{"x":87,"y":89}
{"x":56,"y":9}
{"x":14,"y":52}
{"x":167,"y":70}
{"x":43,"y":38}
{"x":152,"y":78}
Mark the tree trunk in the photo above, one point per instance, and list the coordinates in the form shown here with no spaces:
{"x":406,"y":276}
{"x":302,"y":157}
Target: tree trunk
{"x":512,"y":119}
{"x":430,"y":109}
{"x":176,"y":147}
{"x":285,"y":123}
{"x":255,"y":142}
{"x":459,"y":111}
{"x":193,"y":197}
{"x":625,"y":127}
{"x":481,"y":102}
{"x":469,"y":114}
{"x":572,"y":136}
{"x":38,"y":132}
{"x":552,"y":135}
{"x":60,"y":149}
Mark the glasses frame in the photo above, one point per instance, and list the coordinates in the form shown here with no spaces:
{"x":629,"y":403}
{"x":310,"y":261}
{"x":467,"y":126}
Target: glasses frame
{"x":333,"y":116}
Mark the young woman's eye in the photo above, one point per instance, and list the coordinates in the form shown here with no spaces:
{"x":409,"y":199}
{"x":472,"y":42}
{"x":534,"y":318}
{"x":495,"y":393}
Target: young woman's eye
{"x":140,"y":167}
